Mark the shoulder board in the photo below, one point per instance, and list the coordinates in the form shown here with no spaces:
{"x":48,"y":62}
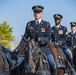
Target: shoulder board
{"x":47,"y":23}
{"x":44,"y":21}
{"x":30,"y":22}
{"x":63,"y":26}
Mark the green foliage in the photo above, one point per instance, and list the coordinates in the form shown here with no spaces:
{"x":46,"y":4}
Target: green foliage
{"x":6,"y":35}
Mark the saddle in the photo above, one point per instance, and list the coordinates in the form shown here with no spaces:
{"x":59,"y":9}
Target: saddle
{"x":57,"y":54}
{"x":12,"y":58}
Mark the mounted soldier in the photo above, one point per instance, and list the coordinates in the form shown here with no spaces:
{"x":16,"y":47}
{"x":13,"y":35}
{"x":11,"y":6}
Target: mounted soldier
{"x":40,"y":29}
{"x":60,"y":36}
{"x":71,"y":42}
{"x":72,"y":35}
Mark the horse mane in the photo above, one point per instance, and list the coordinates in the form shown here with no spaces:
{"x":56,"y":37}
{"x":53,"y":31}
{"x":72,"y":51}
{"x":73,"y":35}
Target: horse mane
{"x":4,"y":65}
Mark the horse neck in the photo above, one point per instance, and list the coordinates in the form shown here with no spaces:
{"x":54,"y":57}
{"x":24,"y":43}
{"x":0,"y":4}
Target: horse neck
{"x":3,"y":62}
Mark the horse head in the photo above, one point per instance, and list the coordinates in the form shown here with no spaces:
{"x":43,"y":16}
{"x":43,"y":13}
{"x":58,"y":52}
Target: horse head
{"x":34,"y":59}
{"x":32,"y":54}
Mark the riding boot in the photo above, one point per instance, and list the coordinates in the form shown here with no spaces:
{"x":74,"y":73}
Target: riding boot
{"x":71,"y":62}
{"x":73,"y":71}
{"x":54,"y":72}
{"x":52,"y":64}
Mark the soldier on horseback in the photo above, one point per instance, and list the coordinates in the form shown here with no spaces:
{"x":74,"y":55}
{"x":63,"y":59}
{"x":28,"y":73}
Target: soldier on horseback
{"x":71,"y":42}
{"x":59,"y":37}
{"x":41,"y":29}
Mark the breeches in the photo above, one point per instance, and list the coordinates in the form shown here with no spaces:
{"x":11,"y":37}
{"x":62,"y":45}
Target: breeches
{"x":68,"y":54}
{"x":49,"y":56}
{"x":45,"y":50}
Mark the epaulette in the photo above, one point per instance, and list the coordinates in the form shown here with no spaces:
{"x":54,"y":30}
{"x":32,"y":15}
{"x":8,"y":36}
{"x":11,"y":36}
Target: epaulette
{"x":47,"y":23}
{"x":63,"y":26}
{"x":30,"y":23}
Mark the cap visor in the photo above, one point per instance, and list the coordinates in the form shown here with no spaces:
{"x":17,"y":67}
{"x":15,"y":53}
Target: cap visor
{"x":37,"y":11}
{"x":73,"y":25}
{"x":57,"y":19}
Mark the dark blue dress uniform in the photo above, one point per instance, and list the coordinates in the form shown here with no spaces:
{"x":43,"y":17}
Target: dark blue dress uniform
{"x":42,"y":30}
{"x":71,"y":42}
{"x":60,"y":35}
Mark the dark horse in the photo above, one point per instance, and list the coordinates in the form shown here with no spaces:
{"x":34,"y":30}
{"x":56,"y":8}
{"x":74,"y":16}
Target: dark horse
{"x":4,"y":66}
{"x":59,"y":57}
{"x":74,"y":57}
{"x":73,"y":49}
{"x":8,"y":62}
{"x":35,"y":62}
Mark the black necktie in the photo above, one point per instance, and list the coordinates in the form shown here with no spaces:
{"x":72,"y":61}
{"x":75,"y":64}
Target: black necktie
{"x":37,"y":22}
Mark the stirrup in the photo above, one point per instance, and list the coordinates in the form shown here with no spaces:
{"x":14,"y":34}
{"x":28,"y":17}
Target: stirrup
{"x":58,"y":65}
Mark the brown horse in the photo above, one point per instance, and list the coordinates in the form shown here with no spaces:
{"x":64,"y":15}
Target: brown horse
{"x":4,"y":66}
{"x":35,"y":62}
{"x":59,"y":57}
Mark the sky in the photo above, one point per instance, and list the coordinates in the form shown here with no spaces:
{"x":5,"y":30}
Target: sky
{"x":18,"y":12}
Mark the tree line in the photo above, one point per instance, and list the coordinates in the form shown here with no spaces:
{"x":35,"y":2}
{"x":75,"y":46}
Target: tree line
{"x":6,"y":35}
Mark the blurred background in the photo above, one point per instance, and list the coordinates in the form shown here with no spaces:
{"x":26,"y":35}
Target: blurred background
{"x":18,"y":12}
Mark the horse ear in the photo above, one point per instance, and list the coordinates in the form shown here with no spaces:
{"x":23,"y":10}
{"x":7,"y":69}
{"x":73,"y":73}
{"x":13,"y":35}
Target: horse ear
{"x":26,"y":40}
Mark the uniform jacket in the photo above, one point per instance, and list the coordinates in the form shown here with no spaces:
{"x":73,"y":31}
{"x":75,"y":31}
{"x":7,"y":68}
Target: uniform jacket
{"x":71,"y":39}
{"x":41,"y":30}
{"x":60,"y":35}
